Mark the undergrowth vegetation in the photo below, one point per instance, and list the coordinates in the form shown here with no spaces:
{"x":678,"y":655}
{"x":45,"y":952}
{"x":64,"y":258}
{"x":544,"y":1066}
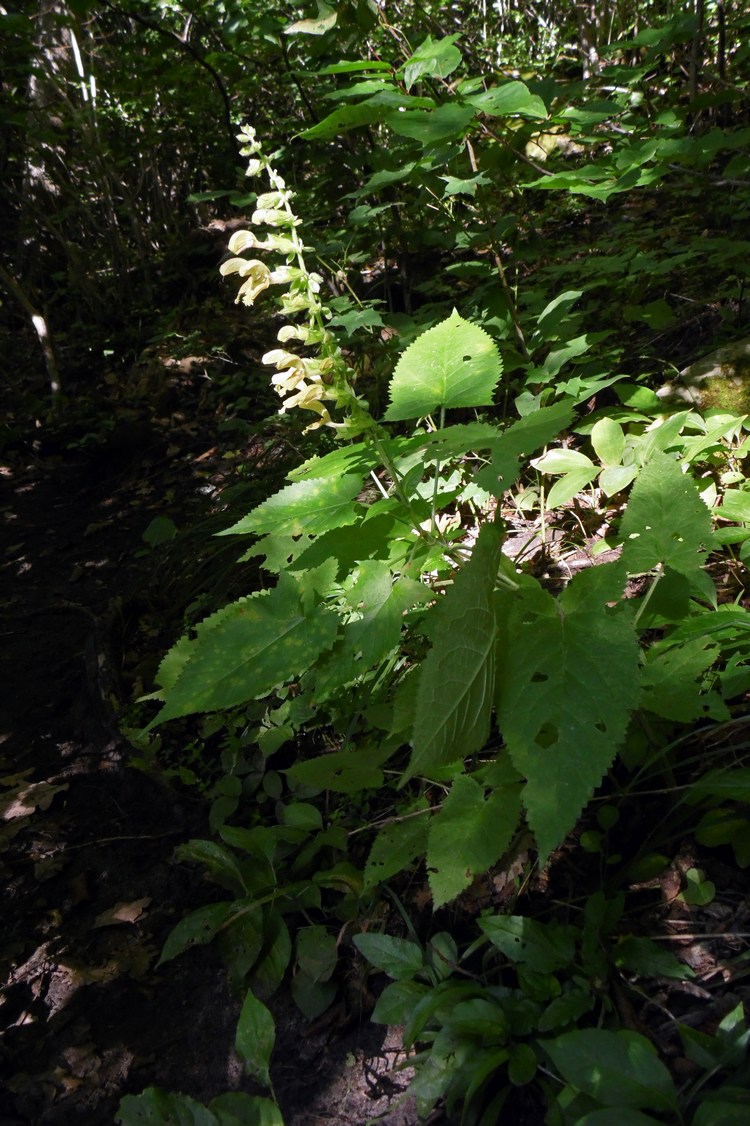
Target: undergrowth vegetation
{"x":502,"y":649}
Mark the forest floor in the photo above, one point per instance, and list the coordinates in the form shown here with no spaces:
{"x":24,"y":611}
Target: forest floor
{"x":91,"y":889}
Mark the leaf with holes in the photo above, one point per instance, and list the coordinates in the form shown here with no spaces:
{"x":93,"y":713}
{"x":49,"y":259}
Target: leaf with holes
{"x":454,"y":364}
{"x":666,"y":522}
{"x":469,"y":834}
{"x":567,"y":683}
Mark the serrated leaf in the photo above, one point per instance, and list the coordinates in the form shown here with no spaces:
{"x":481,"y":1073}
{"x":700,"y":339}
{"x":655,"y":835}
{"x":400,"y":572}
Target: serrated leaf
{"x":567,"y":683}
{"x":397,"y":957}
{"x":618,"y":1069}
{"x":434,"y":57}
{"x":670,"y":680}
{"x":396,"y":846}
{"x":454,"y":364}
{"x":307,"y":507}
{"x":368,"y":639}
{"x":543,"y":947}
{"x":255,"y":1037}
{"x":665,"y":522}
{"x":257,"y":644}
{"x":468,"y":835}
{"x":454,"y":697}
{"x":343,"y":772}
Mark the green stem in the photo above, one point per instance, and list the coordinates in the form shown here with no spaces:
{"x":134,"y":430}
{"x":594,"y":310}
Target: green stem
{"x":647,"y":597}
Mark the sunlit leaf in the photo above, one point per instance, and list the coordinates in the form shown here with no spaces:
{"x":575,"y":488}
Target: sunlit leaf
{"x":454,"y":364}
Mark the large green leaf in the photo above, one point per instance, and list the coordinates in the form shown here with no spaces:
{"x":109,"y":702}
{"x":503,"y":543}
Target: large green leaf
{"x":432,"y":127}
{"x":567,"y":683}
{"x":257,"y":644}
{"x":665,"y":522}
{"x":454,"y":698}
{"x":618,"y":1069}
{"x":543,"y":947}
{"x":469,"y":834}
{"x":454,"y":364}
{"x":304,"y":508}
{"x":507,"y":100}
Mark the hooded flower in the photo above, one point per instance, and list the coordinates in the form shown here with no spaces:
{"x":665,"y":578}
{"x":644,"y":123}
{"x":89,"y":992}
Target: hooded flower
{"x":257,"y":274}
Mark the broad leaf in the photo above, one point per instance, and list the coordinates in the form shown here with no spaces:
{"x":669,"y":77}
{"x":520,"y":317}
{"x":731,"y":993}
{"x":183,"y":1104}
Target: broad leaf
{"x":436,"y":58}
{"x":567,"y":683}
{"x":454,"y":364}
{"x":154,"y":1107}
{"x":255,"y":645}
{"x":432,"y":127}
{"x":196,"y":929}
{"x":508,"y":100}
{"x":397,"y":957}
{"x":665,"y":522}
{"x":306,"y":507}
{"x":325,"y":20}
{"x":618,"y":1069}
{"x":543,"y":947}
{"x":344,"y":772}
{"x":254,"y":1038}
{"x":454,"y":698}
{"x":671,"y":681}
{"x":468,"y":835}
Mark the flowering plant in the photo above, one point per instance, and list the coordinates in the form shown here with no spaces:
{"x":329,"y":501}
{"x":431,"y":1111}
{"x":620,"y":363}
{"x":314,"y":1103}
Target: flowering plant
{"x":302,"y":381}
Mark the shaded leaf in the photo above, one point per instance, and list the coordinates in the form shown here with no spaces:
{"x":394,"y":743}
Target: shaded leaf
{"x":255,"y":1037}
{"x":618,"y":1069}
{"x":397,"y":957}
{"x":454,"y":697}
{"x":567,"y":683}
{"x":543,"y":947}
{"x":469,"y":834}
{"x":249,"y":649}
